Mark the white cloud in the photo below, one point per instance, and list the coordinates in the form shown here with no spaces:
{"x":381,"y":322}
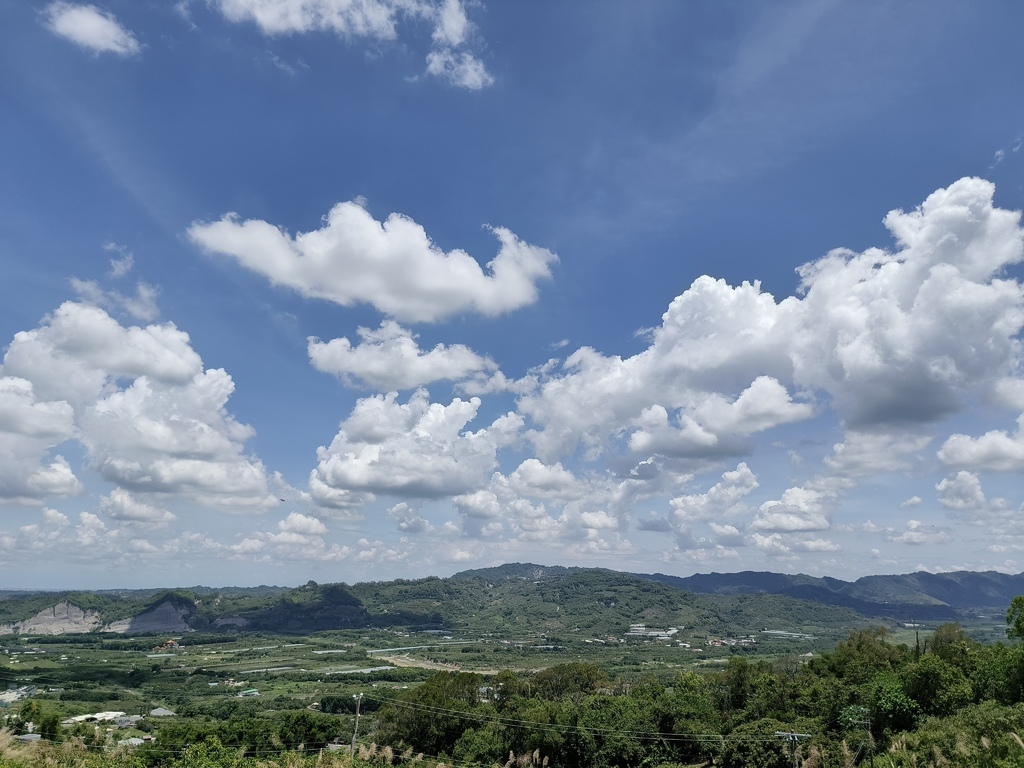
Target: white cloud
{"x":917,"y":532}
{"x":299,"y":538}
{"x":771,"y":545}
{"x":815,"y":545}
{"x":392,"y":265}
{"x":142,"y":306}
{"x":120,"y":265}
{"x":408,"y":518}
{"x":121,"y":505}
{"x":151,"y":420}
{"x":302,"y":524}
{"x":80,"y":350}
{"x":450,"y":57}
{"x":29,"y":428}
{"x":726,"y":534}
{"x":88,"y":27}
{"x":894,"y":340}
{"x":599,"y":520}
{"x":961,"y":492}
{"x":416,"y":450}
{"x":177,"y":440}
{"x":459,"y":68}
{"x":379,"y":552}
{"x":548,"y":503}
{"x":995,"y":451}
{"x":798,"y":509}
{"x":389,"y":358}
{"x":712,"y":419}
{"x":720,"y":501}
{"x":867,"y":453}
{"x":535,"y":479}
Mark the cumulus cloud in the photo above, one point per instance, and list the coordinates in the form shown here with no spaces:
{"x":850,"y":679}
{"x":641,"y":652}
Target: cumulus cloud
{"x":389,"y":358}
{"x":408,"y":519}
{"x":393,"y":265}
{"x":29,"y":429}
{"x":798,"y":509}
{"x":306,"y":525}
{"x":867,"y":453}
{"x":771,"y":545}
{"x":535,"y":479}
{"x":451,"y":57}
{"x":995,"y":451}
{"x":962,"y":492}
{"x":713,"y":419}
{"x":889,"y":339}
{"x":719,"y":503}
{"x":90,"y":28}
{"x":299,"y":538}
{"x":119,"y":504}
{"x":549,"y":504}
{"x":416,"y":449}
{"x":80,"y":350}
{"x":152,"y":421}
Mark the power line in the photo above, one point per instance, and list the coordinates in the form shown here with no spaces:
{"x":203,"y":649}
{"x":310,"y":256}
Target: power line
{"x":565,"y":728}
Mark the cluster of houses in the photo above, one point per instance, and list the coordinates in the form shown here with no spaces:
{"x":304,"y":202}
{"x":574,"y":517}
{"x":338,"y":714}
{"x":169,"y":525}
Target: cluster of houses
{"x":731,"y":641}
{"x":643,"y":633}
{"x":119,"y":720}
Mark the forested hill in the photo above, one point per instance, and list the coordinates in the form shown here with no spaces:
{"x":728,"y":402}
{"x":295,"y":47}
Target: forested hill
{"x":926,"y":596}
{"x":511,"y":602}
{"x":522,"y":598}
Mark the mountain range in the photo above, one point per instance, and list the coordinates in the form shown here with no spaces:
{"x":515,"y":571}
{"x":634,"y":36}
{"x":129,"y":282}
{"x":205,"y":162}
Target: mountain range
{"x":525,"y":598}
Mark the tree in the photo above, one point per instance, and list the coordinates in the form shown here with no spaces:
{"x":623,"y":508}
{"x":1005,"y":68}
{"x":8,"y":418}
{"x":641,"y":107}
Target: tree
{"x":937,"y":687}
{"x":569,"y":679}
{"x":430,"y":719}
{"x":755,"y":745}
{"x":49,"y":726}
{"x":893,"y":709}
{"x":950,"y":644}
{"x":1015,"y":618}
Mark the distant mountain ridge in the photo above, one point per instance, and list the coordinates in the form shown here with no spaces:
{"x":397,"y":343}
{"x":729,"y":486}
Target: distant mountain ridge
{"x":522,"y":598}
{"x":910,"y":596}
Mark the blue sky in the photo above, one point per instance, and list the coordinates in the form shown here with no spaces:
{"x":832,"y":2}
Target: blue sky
{"x":345,"y":290}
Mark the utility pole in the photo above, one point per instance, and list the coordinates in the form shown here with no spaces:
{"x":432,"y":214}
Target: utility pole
{"x":862,"y":716}
{"x":793,"y":738}
{"x":355,"y":729}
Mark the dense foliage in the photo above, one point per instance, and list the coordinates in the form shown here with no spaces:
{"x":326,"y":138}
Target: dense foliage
{"x":954,"y":702}
{"x":949,"y":701}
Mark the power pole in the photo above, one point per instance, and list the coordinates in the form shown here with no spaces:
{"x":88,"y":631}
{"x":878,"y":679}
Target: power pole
{"x":862,"y":717}
{"x":355,"y":729}
{"x":793,"y":738}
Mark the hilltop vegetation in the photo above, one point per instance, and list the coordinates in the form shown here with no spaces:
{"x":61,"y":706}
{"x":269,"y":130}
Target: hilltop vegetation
{"x":559,"y":601}
{"x":532,"y":598}
{"x":928,"y":596}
